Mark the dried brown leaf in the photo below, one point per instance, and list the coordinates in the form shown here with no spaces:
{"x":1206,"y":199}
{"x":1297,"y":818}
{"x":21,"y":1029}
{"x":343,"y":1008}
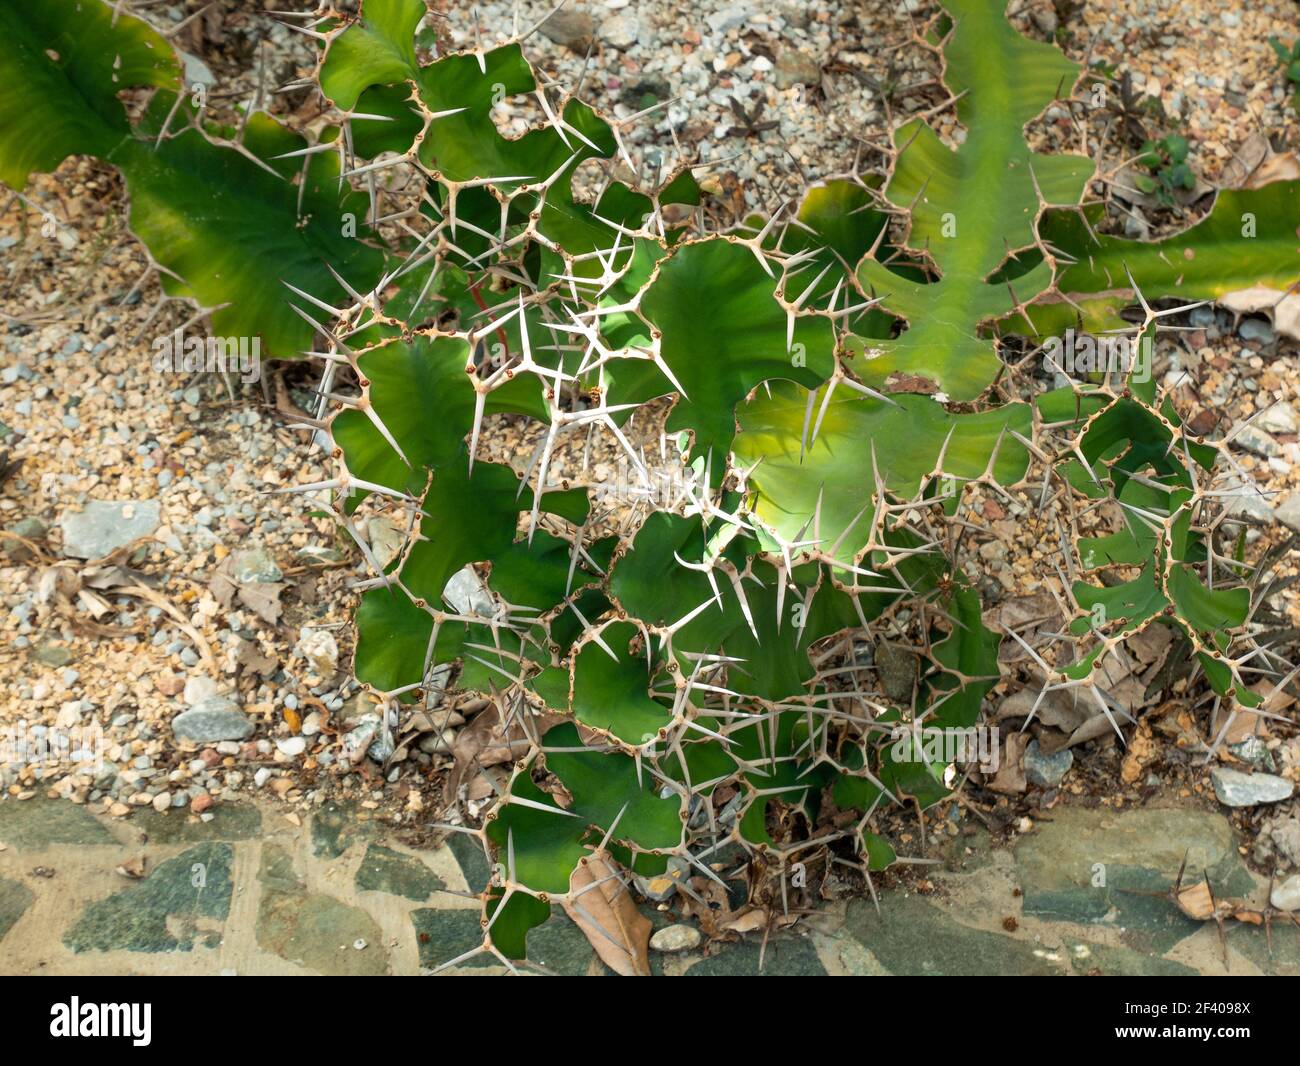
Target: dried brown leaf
{"x":1010,"y":778}
{"x":1196,"y":901}
{"x":712,"y":909}
{"x":484,"y":742}
{"x":132,"y":868}
{"x":250,"y":659}
{"x":263,"y":599}
{"x":601,"y":906}
{"x":1284,"y":308}
{"x":749,"y":921}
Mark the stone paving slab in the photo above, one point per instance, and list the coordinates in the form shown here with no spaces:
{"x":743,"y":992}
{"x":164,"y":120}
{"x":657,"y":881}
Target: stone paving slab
{"x":250,"y":892}
{"x":183,"y":901}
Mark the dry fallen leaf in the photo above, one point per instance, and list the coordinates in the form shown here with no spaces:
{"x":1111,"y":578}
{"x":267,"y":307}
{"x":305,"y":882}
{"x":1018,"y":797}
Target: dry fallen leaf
{"x":1245,"y":159}
{"x":1196,"y":901}
{"x":1061,"y":708}
{"x":1243,"y":727}
{"x":263,"y":599}
{"x":133,"y":868}
{"x":709,"y":906}
{"x":1028,"y":616}
{"x":1010,"y":778}
{"x":747,"y":922}
{"x":1128,"y":185}
{"x":1254,"y":164}
{"x":601,"y":906}
{"x":250,"y":659}
{"x":1276,"y":700}
{"x":222,"y":585}
{"x":1281,"y":167}
{"x":1282,"y":307}
{"x":486,"y":742}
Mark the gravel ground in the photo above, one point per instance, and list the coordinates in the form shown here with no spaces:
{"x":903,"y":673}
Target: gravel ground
{"x":233,"y":599}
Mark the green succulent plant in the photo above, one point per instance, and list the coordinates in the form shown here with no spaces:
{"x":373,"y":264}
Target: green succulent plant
{"x":693,"y":668}
{"x":230,"y":216}
{"x":1166,"y":159}
{"x":1289,"y":57}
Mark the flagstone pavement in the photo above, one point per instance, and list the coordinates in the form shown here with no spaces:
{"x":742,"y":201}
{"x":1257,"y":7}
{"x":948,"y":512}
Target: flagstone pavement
{"x":248,"y":892}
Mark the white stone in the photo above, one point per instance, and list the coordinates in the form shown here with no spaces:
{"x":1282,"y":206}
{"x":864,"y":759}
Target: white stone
{"x":1286,"y":894}
{"x":676,"y":938}
{"x":620,"y":31}
{"x":466,"y":593}
{"x":1237,"y":789}
{"x":1288,"y":512}
{"x":198,"y":688}
{"x":386,"y":539}
{"x":728,"y":19}
{"x":321,"y":651}
{"x":434,"y":743}
{"x":1280,"y":418}
{"x":292,"y":746}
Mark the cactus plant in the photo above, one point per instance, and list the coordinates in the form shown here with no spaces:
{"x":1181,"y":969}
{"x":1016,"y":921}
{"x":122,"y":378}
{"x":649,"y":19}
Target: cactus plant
{"x":229,"y":216}
{"x":839,"y":382}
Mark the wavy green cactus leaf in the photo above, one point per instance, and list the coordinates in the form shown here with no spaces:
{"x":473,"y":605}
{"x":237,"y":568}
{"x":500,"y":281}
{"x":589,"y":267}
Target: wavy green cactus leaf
{"x":1143,"y":459}
{"x":65,"y":62}
{"x":610,"y":795}
{"x":392,"y":640}
{"x":837,"y":223}
{"x":819,"y":460}
{"x":724,"y":602}
{"x":720,"y":328}
{"x":613,"y":671}
{"x":966,"y":664}
{"x":231,"y":229}
{"x":1247,"y":242}
{"x":400,"y":376}
{"x":542,"y":841}
{"x":492,"y":494}
{"x":972,"y":207}
{"x":378,"y":49}
{"x":226,"y":222}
